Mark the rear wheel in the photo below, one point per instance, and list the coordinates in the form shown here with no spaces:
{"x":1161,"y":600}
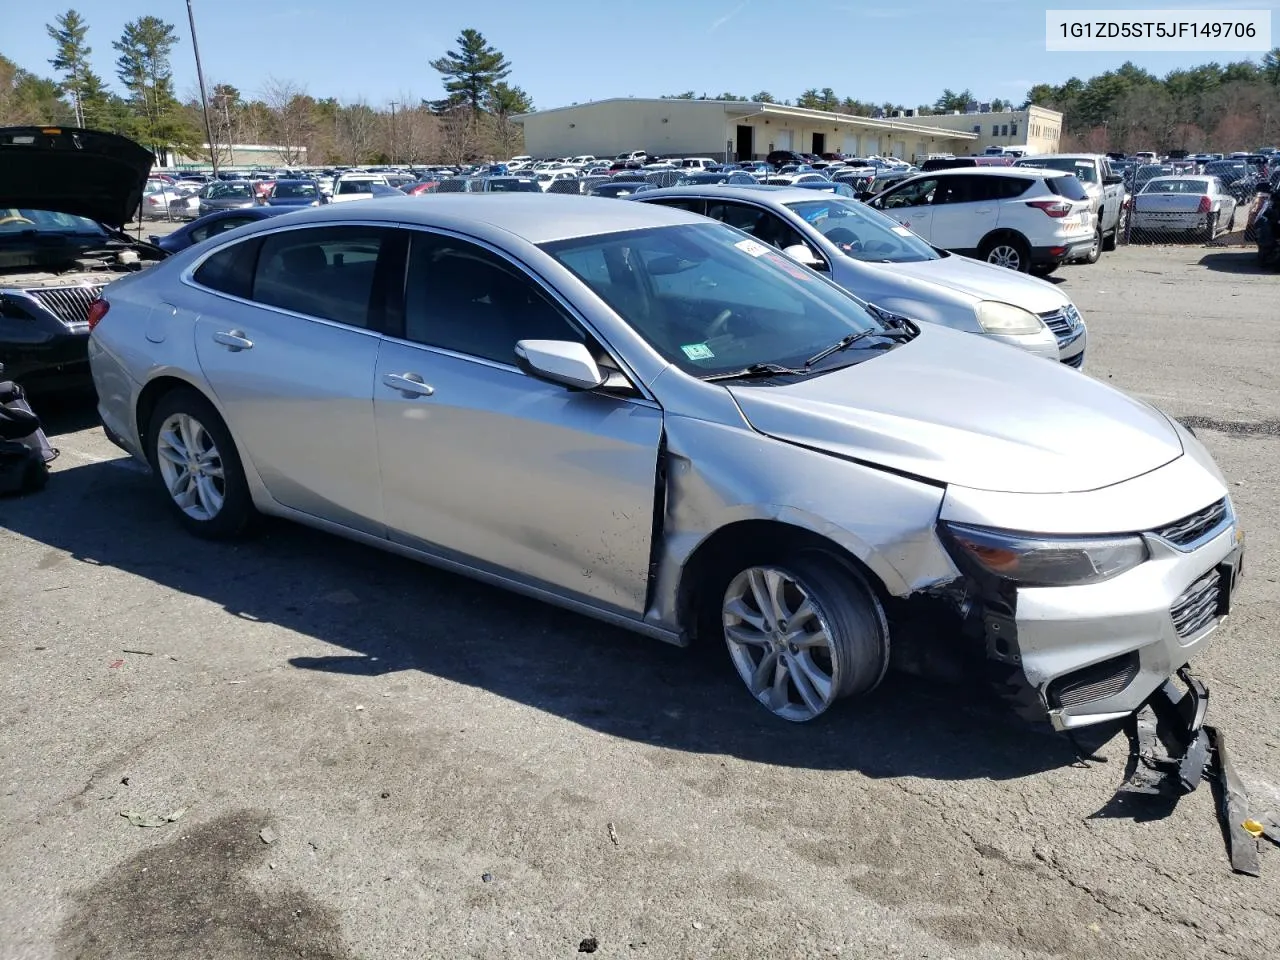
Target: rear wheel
{"x":1109,"y":243}
{"x":1010,"y":252}
{"x":197,"y":467}
{"x":1095,"y":251}
{"x":804,"y":632}
{"x":1211,"y":228}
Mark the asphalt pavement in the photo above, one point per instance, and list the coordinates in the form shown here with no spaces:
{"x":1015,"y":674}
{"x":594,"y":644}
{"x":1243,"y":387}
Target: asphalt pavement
{"x":349,"y":755}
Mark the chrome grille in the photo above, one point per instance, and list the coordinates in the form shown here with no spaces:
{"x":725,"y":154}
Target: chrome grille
{"x":1064,"y":322}
{"x":68,"y":304}
{"x":1094,"y":683}
{"x":1191,"y":528}
{"x":1198,"y":605}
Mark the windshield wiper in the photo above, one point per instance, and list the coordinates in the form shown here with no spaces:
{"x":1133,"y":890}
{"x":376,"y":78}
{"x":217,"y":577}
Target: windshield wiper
{"x":758,"y":370}
{"x":845,"y":342}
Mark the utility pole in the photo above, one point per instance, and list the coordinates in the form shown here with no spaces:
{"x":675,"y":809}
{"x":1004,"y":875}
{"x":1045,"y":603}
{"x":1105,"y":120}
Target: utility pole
{"x":394,"y":104}
{"x":204,"y":98}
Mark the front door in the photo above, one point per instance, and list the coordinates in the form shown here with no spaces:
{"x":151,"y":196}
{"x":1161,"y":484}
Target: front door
{"x":910,"y":205}
{"x":292,"y":364}
{"x":485,"y":465}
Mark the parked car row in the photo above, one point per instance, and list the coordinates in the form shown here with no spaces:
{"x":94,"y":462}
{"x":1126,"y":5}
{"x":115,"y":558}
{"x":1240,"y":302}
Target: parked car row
{"x":817,"y":481}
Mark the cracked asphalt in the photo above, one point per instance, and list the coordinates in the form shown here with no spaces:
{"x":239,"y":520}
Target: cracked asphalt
{"x":447,"y":770}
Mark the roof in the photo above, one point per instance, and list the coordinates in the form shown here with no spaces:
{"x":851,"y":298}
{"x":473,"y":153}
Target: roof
{"x":745,"y":108}
{"x":537,"y":217}
{"x":758,"y":192}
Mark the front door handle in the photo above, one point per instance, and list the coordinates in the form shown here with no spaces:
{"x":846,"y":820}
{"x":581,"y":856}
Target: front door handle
{"x":409,"y":384}
{"x":235,"y":340}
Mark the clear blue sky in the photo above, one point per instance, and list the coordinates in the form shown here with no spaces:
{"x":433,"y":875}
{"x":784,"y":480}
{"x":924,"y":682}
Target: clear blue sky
{"x":904,"y":51}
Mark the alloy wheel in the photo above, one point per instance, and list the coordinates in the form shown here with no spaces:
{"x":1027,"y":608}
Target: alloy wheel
{"x":1004,"y":255}
{"x":780,"y":643}
{"x":191,"y":466}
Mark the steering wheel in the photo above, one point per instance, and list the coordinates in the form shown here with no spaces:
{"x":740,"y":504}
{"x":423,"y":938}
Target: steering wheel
{"x":15,"y":218}
{"x":845,"y":239}
{"x":720,"y":325}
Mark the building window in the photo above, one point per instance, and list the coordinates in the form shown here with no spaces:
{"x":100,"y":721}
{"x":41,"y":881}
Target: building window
{"x":1013,"y":129}
{"x":977,"y":128}
{"x":995,"y":129}
{"x":1004,"y":130}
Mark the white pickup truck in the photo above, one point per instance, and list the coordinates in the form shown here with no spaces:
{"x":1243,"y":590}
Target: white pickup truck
{"x":1106,"y":193}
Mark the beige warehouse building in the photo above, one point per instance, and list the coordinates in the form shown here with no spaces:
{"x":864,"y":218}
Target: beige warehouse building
{"x":732,"y":130}
{"x":1036,"y":128}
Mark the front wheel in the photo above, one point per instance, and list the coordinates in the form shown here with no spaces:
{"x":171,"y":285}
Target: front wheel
{"x":198,"y":469}
{"x":803,"y":633}
{"x":1010,"y":252}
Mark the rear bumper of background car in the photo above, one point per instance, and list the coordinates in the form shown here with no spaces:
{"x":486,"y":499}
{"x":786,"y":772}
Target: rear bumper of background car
{"x":1061,"y":251}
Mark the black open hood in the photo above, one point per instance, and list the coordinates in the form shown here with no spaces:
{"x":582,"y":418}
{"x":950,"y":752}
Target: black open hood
{"x":69,"y":170}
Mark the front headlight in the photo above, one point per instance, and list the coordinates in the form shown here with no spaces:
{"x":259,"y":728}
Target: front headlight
{"x":1036,"y":561}
{"x":1005,"y":318}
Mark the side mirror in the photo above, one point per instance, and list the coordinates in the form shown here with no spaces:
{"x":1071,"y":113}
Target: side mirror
{"x":565,"y":362}
{"x":1112,"y":180}
{"x":802,"y":253}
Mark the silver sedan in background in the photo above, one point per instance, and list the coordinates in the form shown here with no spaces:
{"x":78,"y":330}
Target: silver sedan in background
{"x":877,"y":259}
{"x":649,"y":418}
{"x":1197,"y":206}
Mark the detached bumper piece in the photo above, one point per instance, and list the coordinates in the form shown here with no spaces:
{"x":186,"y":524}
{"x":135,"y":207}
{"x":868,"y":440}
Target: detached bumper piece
{"x":1172,"y":750}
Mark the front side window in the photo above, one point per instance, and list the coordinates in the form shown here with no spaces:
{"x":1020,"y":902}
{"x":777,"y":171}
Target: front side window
{"x":322,"y":272}
{"x":461,"y":297}
{"x":712,"y":301}
{"x":863,"y":233}
{"x":912,"y":195}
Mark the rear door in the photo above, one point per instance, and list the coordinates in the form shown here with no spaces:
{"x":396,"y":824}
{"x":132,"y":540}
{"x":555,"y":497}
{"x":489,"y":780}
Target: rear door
{"x":964,"y":211}
{"x":289,"y":344}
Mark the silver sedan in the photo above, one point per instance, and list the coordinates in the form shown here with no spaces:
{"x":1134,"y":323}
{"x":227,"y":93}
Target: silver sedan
{"x":649,"y":418}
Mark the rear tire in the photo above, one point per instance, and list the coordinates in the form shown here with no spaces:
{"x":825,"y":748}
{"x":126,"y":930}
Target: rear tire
{"x":1008,"y":251}
{"x":1211,"y":228}
{"x":1111,"y":242}
{"x":1044,"y":269}
{"x":197,"y":467}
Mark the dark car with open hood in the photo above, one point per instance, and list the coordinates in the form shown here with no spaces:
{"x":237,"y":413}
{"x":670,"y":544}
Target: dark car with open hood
{"x":65,"y":194}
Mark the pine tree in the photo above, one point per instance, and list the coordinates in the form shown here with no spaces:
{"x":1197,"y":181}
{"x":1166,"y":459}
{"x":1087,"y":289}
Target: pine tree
{"x":144,"y":70}
{"x":471,"y":71}
{"x":80,"y":84}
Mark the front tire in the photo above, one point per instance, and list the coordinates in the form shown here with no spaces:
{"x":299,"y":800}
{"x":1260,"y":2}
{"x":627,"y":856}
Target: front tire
{"x":803,"y":633}
{"x":197,"y":467}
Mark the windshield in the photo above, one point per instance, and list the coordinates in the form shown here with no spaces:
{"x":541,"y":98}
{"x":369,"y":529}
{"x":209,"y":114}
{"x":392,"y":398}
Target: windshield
{"x":498,"y":185}
{"x":295,"y":190}
{"x":1176,"y":186}
{"x":355,"y":186}
{"x":1083,"y":169}
{"x":712,"y":301}
{"x":228,"y":191}
{"x":862,"y":233}
{"x":15,"y":222}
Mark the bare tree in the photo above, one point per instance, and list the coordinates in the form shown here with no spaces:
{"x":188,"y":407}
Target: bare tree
{"x":458,"y":141}
{"x":357,"y":131}
{"x":292,"y":118}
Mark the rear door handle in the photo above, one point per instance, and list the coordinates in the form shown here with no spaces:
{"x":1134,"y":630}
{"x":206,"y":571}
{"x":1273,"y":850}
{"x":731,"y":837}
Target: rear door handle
{"x":409,"y":384}
{"x":235,"y":340}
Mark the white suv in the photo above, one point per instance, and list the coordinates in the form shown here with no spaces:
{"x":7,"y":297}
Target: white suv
{"x":1027,"y":220}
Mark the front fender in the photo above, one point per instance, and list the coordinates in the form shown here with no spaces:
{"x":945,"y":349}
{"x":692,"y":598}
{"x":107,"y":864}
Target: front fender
{"x":718,"y":474}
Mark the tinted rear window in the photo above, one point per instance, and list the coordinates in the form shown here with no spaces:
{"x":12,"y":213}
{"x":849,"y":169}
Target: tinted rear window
{"x":1068,"y":187}
{"x":230,"y":270}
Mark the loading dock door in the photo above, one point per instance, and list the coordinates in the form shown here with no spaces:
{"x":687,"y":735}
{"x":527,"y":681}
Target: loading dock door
{"x":819,"y":143}
{"x":746,"y":142}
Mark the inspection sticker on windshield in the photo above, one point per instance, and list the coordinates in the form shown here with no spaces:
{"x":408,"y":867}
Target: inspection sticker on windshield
{"x":902,"y":231}
{"x":752,"y":247}
{"x":698,"y":351}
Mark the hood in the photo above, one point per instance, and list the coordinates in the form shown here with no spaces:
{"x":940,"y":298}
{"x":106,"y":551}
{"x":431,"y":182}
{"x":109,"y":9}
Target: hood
{"x":69,"y":170}
{"x":954,"y":408}
{"x":290,"y":201}
{"x":985,"y":281}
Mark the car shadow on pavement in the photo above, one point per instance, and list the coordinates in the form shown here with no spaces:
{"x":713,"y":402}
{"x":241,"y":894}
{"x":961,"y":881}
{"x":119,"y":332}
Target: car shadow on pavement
{"x":1237,"y":260}
{"x":388,"y":614}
